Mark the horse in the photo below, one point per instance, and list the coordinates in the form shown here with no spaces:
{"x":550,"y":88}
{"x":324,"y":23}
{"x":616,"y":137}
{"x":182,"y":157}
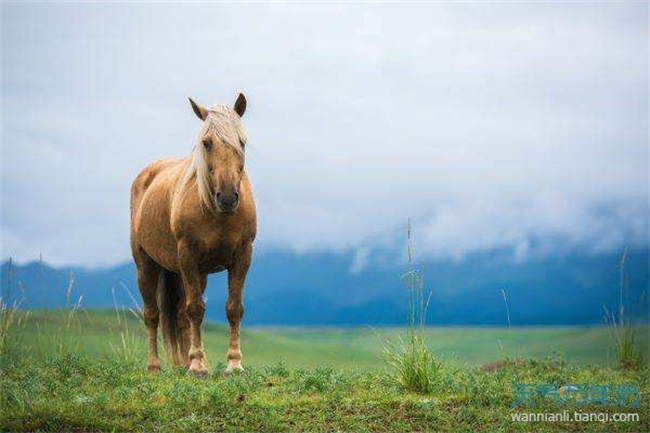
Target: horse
{"x":191,"y":217}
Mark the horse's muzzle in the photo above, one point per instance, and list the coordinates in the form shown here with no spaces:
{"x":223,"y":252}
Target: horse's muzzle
{"x":227,"y":203}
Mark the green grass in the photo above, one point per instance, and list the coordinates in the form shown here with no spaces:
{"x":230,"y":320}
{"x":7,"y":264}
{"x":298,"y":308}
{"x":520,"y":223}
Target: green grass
{"x":69,"y":392}
{"x":624,"y":332}
{"x":329,"y":380}
{"x":354,"y":348}
{"x":413,"y":363}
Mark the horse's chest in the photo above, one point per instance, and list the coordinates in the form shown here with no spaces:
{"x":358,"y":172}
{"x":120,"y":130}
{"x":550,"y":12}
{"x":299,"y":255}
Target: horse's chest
{"x":216,"y":254}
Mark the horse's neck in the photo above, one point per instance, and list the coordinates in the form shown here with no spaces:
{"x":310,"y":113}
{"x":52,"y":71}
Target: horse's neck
{"x":179,"y":183}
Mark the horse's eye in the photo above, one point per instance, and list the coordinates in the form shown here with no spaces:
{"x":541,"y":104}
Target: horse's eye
{"x":242,"y":143}
{"x":240,"y":168}
{"x":207,"y":143}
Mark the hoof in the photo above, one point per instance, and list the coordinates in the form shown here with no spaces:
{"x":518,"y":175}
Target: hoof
{"x":199,"y":374}
{"x":153,"y":368}
{"x":230,"y":371}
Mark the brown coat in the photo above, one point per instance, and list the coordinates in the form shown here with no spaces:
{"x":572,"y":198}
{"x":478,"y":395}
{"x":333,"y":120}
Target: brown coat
{"x":191,"y":217}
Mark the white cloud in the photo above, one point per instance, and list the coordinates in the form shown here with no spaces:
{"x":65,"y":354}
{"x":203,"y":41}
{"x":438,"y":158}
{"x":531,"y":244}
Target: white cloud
{"x":360,"y":260}
{"x":491,"y":125}
{"x":547,"y":223}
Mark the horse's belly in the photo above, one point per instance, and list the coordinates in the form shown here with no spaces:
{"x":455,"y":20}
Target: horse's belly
{"x":213,"y":269}
{"x":166,"y":256}
{"x":155,"y":235}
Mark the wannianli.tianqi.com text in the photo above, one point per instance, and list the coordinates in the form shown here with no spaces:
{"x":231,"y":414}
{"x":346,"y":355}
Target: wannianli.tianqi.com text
{"x":575,"y":416}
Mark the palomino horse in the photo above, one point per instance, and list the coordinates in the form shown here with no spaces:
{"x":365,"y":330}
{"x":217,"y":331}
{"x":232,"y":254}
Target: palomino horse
{"x":191,"y":217}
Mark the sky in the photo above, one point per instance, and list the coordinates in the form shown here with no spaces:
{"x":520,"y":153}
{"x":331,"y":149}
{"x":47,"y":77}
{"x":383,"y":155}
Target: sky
{"x":520,"y":127}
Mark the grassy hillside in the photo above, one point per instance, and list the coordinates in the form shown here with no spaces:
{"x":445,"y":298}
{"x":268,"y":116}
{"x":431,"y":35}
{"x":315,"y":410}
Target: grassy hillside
{"x":96,"y":333}
{"x":85,"y":372}
{"x":72,"y":393}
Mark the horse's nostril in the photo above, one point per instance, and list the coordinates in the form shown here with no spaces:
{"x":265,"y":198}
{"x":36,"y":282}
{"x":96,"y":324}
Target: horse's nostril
{"x":227,"y":200}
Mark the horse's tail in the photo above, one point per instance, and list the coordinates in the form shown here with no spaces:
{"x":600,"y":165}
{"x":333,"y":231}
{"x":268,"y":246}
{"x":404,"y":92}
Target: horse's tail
{"x":175,"y":324}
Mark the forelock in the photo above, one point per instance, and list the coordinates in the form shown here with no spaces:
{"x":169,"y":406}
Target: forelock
{"x":223,"y":122}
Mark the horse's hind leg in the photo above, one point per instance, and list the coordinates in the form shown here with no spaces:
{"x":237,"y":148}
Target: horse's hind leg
{"x":148,"y":274}
{"x":235,"y":307}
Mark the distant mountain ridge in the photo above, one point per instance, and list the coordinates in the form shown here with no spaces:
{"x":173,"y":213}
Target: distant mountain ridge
{"x":285,"y":288}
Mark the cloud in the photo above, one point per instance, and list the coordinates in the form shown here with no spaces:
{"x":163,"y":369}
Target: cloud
{"x":360,"y":260}
{"x":548,"y":223}
{"x":519,"y":126}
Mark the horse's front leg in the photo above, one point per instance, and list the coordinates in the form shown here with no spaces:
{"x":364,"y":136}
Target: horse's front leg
{"x":194,"y":285}
{"x":234,"y":306}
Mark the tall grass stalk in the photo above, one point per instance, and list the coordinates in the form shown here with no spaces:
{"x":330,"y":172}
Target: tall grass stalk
{"x":12,"y":319}
{"x":62,"y":336}
{"x":504,"y":293}
{"x":505,"y":301}
{"x":128,"y":348}
{"x":64,"y":343}
{"x":415,"y":367}
{"x":621,"y":326}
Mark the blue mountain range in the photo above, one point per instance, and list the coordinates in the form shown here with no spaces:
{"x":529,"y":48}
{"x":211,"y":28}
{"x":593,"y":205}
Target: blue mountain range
{"x":285,"y":288}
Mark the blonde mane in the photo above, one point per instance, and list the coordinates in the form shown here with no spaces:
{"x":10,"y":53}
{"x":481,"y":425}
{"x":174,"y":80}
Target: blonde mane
{"x":227,"y":126}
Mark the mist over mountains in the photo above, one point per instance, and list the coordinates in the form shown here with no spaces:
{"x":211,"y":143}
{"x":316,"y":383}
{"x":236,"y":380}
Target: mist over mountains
{"x":328,"y":288}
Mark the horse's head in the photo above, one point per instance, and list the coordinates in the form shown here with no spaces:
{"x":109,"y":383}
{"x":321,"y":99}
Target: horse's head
{"x":219,"y":154}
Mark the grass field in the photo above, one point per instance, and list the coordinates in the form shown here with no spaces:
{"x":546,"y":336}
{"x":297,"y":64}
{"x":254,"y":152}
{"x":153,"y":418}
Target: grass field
{"x":93,"y":334}
{"x":88,"y":374}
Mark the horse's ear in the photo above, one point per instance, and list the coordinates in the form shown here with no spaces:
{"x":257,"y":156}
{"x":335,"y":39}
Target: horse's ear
{"x":200,"y":111}
{"x":240,"y":105}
